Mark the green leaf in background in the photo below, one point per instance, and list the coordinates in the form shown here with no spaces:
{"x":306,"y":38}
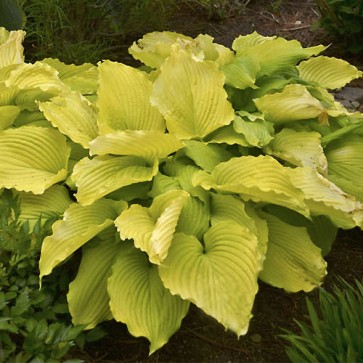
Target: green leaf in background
{"x":139,"y":299}
{"x":79,"y":225}
{"x":261,"y":179}
{"x":123,"y":100}
{"x":241,"y":72}
{"x":293,"y":103}
{"x":292,"y":262}
{"x":328,"y":72}
{"x":88,"y":299}
{"x":152,"y":229}
{"x":41,"y":163}
{"x":206,"y":156}
{"x":73,"y":115}
{"x":102,"y":175}
{"x":191,"y":97}
{"x":225,"y":208}
{"x":219,"y":275}
{"x":52,"y":203}
{"x":11,"y":48}
{"x":254,"y":128}
{"x":8,"y":115}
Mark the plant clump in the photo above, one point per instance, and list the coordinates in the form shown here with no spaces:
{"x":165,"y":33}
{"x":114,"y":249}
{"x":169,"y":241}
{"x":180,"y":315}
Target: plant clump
{"x":184,"y":181}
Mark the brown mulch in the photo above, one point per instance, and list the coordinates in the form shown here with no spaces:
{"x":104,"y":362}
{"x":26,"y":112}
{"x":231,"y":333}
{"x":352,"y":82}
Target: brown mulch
{"x":201,"y":338}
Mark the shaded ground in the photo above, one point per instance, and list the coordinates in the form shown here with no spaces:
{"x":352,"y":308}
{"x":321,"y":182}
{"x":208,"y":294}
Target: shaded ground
{"x":202,"y":339}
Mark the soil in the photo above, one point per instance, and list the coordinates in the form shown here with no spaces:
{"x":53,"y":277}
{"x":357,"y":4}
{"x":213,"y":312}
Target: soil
{"x":201,"y":338}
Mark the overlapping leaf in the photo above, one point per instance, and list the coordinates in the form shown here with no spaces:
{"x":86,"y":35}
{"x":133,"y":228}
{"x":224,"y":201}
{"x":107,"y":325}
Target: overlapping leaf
{"x":102,"y":175}
{"x":73,"y":115}
{"x":219,"y":275}
{"x":191,"y":97}
{"x":293,"y":103}
{"x":300,"y":148}
{"x":11,"y":48}
{"x":123,"y":100}
{"x":147,"y":144}
{"x":152,"y":229}
{"x":32,"y":158}
{"x":292,"y":262}
{"x":139,"y":299}
{"x":324,"y":197}
{"x":328,"y":72}
{"x":88,"y":300}
{"x":261,"y":179}
{"x":52,"y":203}
{"x":78,"y":226}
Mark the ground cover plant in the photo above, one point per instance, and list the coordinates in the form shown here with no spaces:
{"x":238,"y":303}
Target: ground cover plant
{"x":34,"y":324}
{"x":184,"y":181}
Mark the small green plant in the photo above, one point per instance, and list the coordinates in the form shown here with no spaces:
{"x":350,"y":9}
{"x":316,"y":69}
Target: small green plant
{"x":335,"y":329}
{"x":34,"y":324}
{"x":343,"y":19}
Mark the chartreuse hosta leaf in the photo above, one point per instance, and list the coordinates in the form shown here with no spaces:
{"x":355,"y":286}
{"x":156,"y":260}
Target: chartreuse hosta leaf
{"x":52,"y":203}
{"x":231,"y":208}
{"x":330,"y":73}
{"x":153,"y":48}
{"x":8,"y":114}
{"x":139,"y":299}
{"x":345,"y":161}
{"x":88,"y":300}
{"x":324,"y":197}
{"x":219,"y":275}
{"x":78,"y":226}
{"x":261,"y":179}
{"x":123,"y":100}
{"x":73,"y":115}
{"x":273,"y":54}
{"x":32,"y":158}
{"x":292,"y":262}
{"x":152,"y":229}
{"x":80,"y":78}
{"x":39,"y":75}
{"x":102,"y":175}
{"x":148,"y":144}
{"x":300,"y":148}
{"x":293,"y":103}
{"x":11,"y":48}
{"x":191,"y":96}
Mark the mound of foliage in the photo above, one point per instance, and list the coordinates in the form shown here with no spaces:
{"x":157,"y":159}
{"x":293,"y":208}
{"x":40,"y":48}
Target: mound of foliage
{"x":184,"y":181}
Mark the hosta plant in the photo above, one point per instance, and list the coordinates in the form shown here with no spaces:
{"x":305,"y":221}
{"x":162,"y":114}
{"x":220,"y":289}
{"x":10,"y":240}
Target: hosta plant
{"x":184,"y":181}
